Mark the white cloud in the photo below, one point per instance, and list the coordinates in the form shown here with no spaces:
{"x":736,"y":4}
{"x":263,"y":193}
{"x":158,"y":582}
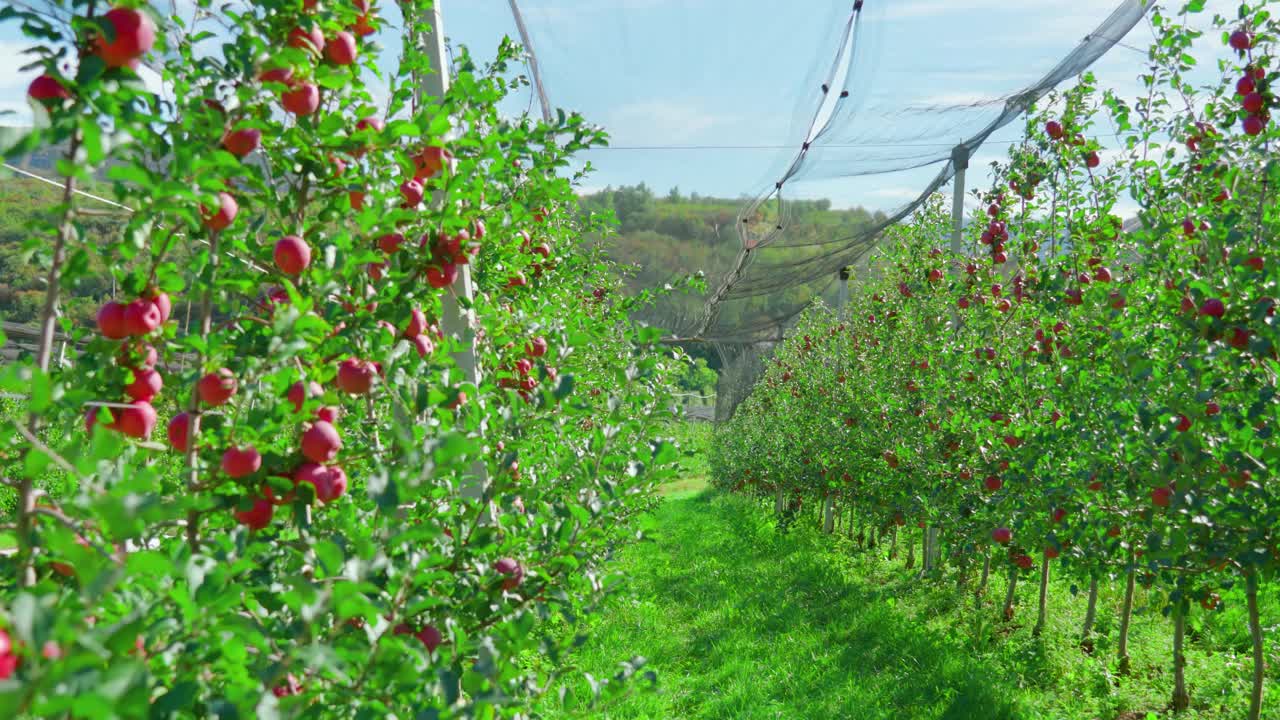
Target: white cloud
{"x":662,"y":122}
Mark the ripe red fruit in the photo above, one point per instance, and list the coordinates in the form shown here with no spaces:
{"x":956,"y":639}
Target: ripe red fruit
{"x":935,"y":275}
{"x":1023,"y":561}
{"x":1054,"y":129}
{"x":1253,"y":102}
{"x":411,"y":191}
{"x":302,"y":100}
{"x":240,"y":462}
{"x":1113,"y":531}
{"x":1051,"y":552}
{"x":355,"y":377}
{"x":1212,"y":408}
{"x":217,"y":387}
{"x":1183,"y":423}
{"x":417,"y":324}
{"x":430,"y":638}
{"x":46,"y":88}
{"x":1245,"y":85}
{"x":321,"y":443}
{"x":1092,"y":160}
{"x":242,"y":142}
{"x":1102,"y":275}
{"x":891,"y":458}
{"x":221,"y":218}
{"x":135,"y":34}
{"x":298,"y":393}
{"x":1253,"y":125}
{"x":330,"y":483}
{"x":1239,"y":338}
{"x":141,"y":317}
{"x":312,"y":39}
{"x":1161,"y":496}
{"x":341,"y":50}
{"x":992,"y":483}
{"x":430,"y":161}
{"x":257,"y":516}
{"x":1213,"y":307}
{"x":517,"y":280}
{"x":1241,"y":40}
{"x":423,"y":345}
{"x":1012,"y":441}
{"x":180,"y":432}
{"x":391,"y":242}
{"x":146,"y":385}
{"x":283,"y":75}
{"x":137,"y":420}
{"x":292,"y":255}
{"x":337,"y":486}
{"x":111,"y":321}
{"x":1002,"y":535}
{"x":442,"y":276}
{"x":536,"y":347}
{"x":512,"y":570}
{"x":1058,"y":514}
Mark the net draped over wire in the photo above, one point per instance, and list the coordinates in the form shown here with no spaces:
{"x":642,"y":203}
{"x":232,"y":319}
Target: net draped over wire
{"x":866,"y":108}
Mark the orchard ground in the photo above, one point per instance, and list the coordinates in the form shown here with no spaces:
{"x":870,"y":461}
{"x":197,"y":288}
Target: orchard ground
{"x":738,"y":620}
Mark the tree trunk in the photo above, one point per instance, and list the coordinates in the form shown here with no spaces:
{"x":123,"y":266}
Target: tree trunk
{"x":1181,"y":700}
{"x":1043,"y":609}
{"x":893,"y":543}
{"x":779,"y":502}
{"x":986,"y":572}
{"x":1090,"y":614}
{"x":829,"y":514}
{"x":1255,"y":632}
{"x":1010,"y":596}
{"x":911,"y":552}
{"x":1126,"y":614}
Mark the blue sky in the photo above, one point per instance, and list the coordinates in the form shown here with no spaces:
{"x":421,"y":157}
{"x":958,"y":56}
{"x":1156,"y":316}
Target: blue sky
{"x":662,"y":73}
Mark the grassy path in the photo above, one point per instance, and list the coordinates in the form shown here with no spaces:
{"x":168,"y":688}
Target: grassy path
{"x":741,"y":622}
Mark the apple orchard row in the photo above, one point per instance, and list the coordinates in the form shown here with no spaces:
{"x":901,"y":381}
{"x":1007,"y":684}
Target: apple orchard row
{"x":1057,"y":394}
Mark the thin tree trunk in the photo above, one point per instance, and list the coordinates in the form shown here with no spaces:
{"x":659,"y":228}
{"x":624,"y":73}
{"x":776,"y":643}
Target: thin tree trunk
{"x":779,"y":503}
{"x":1255,"y":632}
{"x":48,"y":328}
{"x":1010,"y":596}
{"x":1043,"y":609}
{"x":1090,"y":614}
{"x":893,"y":543}
{"x":193,"y":405}
{"x":986,"y":572}
{"x":829,"y":514}
{"x":1181,"y":700}
{"x":911,"y":552}
{"x":1126,"y":614}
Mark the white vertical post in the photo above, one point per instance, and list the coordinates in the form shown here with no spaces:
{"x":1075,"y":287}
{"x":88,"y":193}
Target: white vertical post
{"x":455,"y":320}
{"x":534,"y":70}
{"x":842,"y":299}
{"x":960,"y":159}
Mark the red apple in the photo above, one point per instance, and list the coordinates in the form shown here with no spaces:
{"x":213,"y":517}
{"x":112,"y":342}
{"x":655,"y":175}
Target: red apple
{"x":217,"y":387}
{"x":355,"y":377}
{"x":241,"y":462}
{"x":321,"y":443}
{"x":442,"y":276}
{"x":111,"y":321}
{"x":1183,"y":423}
{"x":141,"y":317}
{"x":134,"y":36}
{"x":512,"y":571}
{"x":1054,"y":129}
{"x":257,"y":516}
{"x":225,"y":214}
{"x":46,"y":89}
{"x":137,"y":420}
{"x":341,"y":50}
{"x":1241,"y":40}
{"x":145,"y":386}
{"x":1161,"y":496}
{"x":1253,"y":125}
{"x":1002,"y":535}
{"x":1213,"y":307}
{"x":417,"y":324}
{"x":1253,"y":102}
{"x":292,"y":255}
{"x":1212,"y":408}
{"x":302,"y":100}
{"x":536,"y":347}
{"x":336,"y":487}
{"x":992,"y":483}
{"x":162,"y":302}
{"x":179,"y":432}
{"x":1092,"y":160}
{"x":411,"y":191}
{"x":430,"y":161}
{"x":1051,"y":552}
{"x":283,"y":76}
{"x":391,"y":242}
{"x":242,"y":142}
{"x":298,"y":393}
{"x":430,"y":637}
{"x":312,"y":39}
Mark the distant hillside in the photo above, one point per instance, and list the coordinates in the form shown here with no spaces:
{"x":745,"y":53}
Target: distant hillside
{"x":672,"y":235}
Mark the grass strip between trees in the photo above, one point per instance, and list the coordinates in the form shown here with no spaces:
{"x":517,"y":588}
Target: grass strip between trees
{"x":739,"y":621}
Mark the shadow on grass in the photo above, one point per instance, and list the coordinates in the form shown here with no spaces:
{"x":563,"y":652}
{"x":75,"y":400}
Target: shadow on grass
{"x":832,"y":647}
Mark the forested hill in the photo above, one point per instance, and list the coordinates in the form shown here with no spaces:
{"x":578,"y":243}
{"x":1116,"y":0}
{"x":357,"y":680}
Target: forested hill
{"x":667,"y":236}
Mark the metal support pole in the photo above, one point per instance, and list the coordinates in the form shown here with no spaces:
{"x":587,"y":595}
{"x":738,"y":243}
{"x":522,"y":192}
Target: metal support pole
{"x":843,"y":298}
{"x":534,"y":70}
{"x":456,"y":321}
{"x":960,"y":160}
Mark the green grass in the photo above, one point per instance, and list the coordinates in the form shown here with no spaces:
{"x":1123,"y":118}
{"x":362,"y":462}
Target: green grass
{"x":739,"y":621}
